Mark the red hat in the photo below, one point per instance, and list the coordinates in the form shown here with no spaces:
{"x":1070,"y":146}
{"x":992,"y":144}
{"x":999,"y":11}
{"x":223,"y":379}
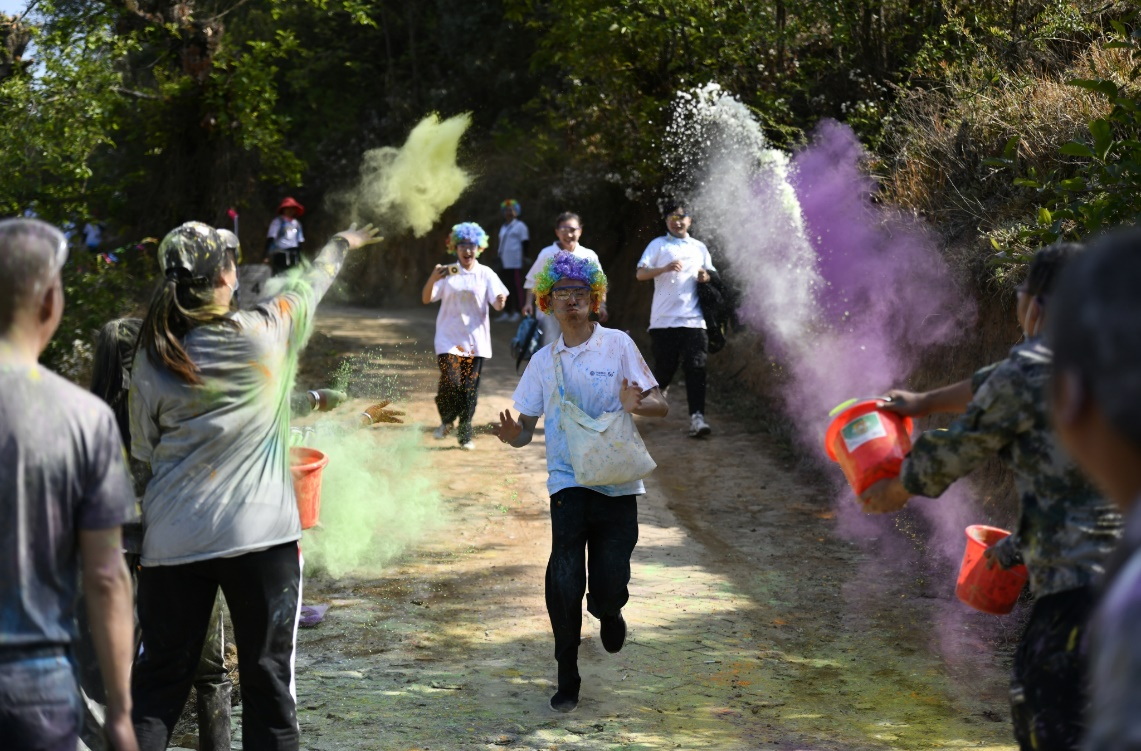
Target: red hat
{"x":289,"y":203}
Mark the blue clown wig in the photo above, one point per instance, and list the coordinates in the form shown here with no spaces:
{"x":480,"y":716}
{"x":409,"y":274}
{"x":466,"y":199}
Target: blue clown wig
{"x":564,"y":265}
{"x":467,"y":232}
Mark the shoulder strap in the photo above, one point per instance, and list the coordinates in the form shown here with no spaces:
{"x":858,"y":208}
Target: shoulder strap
{"x":559,"y":372}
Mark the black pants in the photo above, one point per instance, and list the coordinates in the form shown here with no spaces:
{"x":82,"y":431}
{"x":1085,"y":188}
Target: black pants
{"x":513,"y":280}
{"x":1048,"y":689}
{"x":458,"y":391}
{"x":690,"y":347}
{"x":211,"y":680}
{"x":605,"y":527}
{"x":283,"y":260}
{"x":263,"y":591}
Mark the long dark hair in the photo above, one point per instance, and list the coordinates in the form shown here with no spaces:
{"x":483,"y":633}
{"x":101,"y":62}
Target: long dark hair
{"x":111,"y":369}
{"x":178,"y":306}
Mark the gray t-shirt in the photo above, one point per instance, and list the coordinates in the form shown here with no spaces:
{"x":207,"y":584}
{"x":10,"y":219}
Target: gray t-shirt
{"x":61,"y":471}
{"x":218,"y":451}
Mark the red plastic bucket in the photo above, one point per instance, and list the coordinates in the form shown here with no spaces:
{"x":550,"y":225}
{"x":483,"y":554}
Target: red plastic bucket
{"x":305,"y":464}
{"x":991,"y":590}
{"x":868,"y":443}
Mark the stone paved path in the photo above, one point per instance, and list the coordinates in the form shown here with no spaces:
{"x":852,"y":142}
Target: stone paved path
{"x":751,"y":624}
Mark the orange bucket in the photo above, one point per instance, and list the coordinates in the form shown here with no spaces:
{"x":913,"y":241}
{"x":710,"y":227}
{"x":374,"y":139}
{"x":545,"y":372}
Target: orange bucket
{"x":868,"y":443}
{"x":991,"y":590}
{"x":305,"y":464}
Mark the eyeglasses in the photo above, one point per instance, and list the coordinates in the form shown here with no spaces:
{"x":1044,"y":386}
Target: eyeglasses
{"x":677,"y":217}
{"x":566,"y":293}
{"x":568,"y":228}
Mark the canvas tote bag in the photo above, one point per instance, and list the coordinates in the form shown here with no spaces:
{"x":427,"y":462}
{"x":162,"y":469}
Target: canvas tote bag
{"x":604,"y":450}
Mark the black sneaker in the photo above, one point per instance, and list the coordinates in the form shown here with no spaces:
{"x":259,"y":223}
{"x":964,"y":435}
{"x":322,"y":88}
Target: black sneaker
{"x":613,"y":632}
{"x":563,"y":701}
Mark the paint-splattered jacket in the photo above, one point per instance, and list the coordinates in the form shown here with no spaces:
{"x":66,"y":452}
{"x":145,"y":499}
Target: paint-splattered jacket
{"x":1065,"y":528}
{"x":1114,"y":715}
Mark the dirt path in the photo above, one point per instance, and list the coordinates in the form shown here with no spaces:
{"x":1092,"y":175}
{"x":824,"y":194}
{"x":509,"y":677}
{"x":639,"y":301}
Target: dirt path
{"x":752,"y":625}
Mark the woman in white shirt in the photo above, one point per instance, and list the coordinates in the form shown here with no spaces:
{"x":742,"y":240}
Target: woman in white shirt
{"x":463,"y":330}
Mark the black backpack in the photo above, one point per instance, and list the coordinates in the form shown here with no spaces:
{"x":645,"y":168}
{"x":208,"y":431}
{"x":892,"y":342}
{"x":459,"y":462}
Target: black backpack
{"x":528,"y":339}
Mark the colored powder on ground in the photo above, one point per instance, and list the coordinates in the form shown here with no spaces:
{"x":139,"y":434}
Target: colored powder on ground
{"x":376,"y":499}
{"x":410,"y":187}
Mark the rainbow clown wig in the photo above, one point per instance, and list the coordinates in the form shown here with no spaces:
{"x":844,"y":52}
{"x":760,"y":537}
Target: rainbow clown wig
{"x":565,"y":265}
{"x":467,"y":232}
{"x":512,"y":204}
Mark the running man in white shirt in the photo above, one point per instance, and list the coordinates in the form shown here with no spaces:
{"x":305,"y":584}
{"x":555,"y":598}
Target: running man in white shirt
{"x":602,"y":372}
{"x":514,"y":240}
{"x":678,"y":263}
{"x":568,"y":230}
{"x":463,"y":331}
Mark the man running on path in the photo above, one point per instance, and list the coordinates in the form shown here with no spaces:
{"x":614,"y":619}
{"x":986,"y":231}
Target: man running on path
{"x":678,"y":263}
{"x":602,"y":371}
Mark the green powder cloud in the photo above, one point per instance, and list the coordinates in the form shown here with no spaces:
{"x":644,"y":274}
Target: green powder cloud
{"x":376,"y":500}
{"x":409,"y":188}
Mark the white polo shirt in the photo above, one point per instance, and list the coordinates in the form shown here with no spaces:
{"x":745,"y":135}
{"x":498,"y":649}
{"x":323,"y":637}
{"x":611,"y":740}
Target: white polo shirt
{"x":511,"y":239}
{"x":675,"y":303}
{"x":462,"y":325}
{"x":592,"y":373}
{"x":546,"y":253}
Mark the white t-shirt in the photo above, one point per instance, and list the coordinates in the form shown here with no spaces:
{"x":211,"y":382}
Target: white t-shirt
{"x":592,"y":374}
{"x":462,"y":325}
{"x":675,"y":303}
{"x":286,"y":233}
{"x":546,"y":253}
{"x":511,"y":239}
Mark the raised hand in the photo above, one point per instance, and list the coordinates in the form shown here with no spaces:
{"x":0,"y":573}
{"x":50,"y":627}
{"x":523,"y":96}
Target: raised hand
{"x":508,"y":430}
{"x":358,"y":238}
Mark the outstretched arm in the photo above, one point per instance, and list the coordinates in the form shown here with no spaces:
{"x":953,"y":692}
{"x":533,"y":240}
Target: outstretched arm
{"x":517,"y":434}
{"x":953,"y":399}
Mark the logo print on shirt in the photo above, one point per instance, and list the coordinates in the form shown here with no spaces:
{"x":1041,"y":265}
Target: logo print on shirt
{"x":609,"y":373}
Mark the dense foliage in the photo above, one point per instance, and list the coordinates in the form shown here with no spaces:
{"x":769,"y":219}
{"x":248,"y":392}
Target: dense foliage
{"x":147,"y":112}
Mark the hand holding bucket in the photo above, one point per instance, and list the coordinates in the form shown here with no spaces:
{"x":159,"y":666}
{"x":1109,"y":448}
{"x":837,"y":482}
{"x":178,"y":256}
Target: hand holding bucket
{"x":990,"y":589}
{"x":868,"y":442}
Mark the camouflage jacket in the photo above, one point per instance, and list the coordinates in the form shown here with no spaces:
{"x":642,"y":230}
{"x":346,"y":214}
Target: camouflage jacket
{"x":1065,"y":527}
{"x":1114,"y":715}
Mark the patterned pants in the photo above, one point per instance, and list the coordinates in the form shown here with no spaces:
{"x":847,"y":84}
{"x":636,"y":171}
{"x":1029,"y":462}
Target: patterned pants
{"x":458,"y":391}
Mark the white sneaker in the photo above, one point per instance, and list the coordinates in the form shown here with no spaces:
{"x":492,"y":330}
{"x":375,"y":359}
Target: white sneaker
{"x":515,"y":317}
{"x":441,"y":432}
{"x":698,"y":427}
{"x":469,"y":446}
